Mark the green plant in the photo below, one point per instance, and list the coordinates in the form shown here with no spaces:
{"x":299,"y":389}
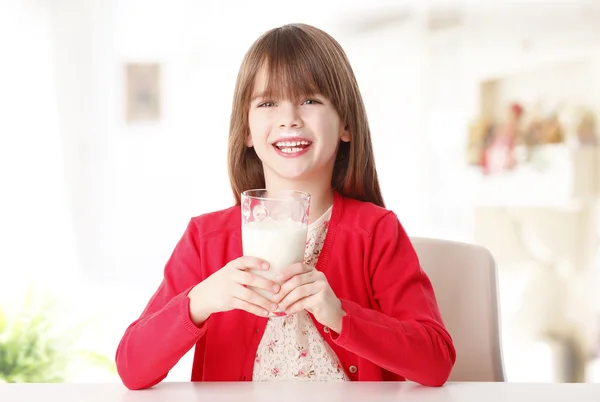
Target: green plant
{"x":34,"y":347}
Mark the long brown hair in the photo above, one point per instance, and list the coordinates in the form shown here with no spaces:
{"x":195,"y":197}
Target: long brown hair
{"x":301,"y":59}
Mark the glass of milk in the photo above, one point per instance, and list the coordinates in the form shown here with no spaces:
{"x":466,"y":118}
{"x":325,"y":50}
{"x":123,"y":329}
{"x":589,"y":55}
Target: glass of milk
{"x":274,"y":228}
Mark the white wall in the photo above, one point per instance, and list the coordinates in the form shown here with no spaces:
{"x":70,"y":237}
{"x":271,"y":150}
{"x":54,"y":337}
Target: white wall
{"x":36,"y":233}
{"x":391,"y":66}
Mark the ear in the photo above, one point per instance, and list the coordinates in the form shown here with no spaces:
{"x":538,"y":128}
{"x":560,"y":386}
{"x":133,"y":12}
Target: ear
{"x":248,"y":140}
{"x":345,"y":135}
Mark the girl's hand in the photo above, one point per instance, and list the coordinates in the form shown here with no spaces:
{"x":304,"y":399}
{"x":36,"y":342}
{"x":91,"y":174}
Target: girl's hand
{"x":227,"y":289}
{"x":305,"y":288}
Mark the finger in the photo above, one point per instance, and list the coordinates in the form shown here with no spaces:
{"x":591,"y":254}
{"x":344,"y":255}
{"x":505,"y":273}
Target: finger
{"x":292,"y":270}
{"x":249,"y":262}
{"x":302,"y":304}
{"x":249,"y":307}
{"x":250,"y":296}
{"x":249,"y":279}
{"x":293,"y":283}
{"x":298,"y":293}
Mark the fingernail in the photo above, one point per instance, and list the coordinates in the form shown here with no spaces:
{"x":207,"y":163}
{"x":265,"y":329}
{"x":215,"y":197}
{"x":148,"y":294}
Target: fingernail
{"x":275,"y":297}
{"x":276,"y":288}
{"x":273,"y":307}
{"x":265,"y":265}
{"x":279,"y":277}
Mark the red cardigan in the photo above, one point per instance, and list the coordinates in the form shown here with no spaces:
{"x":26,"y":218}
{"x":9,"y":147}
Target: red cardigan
{"x":392,"y":330}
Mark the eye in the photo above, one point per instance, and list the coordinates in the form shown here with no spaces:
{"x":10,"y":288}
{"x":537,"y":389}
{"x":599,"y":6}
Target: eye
{"x":267,"y":104}
{"x":311,"y":102}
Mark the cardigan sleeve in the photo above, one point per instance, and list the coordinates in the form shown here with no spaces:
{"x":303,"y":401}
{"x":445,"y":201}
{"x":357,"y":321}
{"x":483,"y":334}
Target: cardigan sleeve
{"x":406,"y":335}
{"x":164,"y":332}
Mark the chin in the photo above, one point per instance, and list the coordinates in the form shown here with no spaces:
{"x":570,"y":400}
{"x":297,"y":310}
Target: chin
{"x":294,"y":172}
{"x":291,"y":174}
{"x":296,"y":176}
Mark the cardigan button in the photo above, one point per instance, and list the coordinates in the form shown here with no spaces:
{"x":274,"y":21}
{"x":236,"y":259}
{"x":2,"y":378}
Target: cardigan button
{"x":353,"y":369}
{"x":326,"y":330}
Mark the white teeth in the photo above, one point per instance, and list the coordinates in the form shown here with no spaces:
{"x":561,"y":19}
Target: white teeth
{"x":291,"y":150}
{"x":291,"y":143}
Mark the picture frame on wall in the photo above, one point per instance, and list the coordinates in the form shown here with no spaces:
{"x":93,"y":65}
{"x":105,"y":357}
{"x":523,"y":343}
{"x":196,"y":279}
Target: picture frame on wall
{"x":143,"y":94}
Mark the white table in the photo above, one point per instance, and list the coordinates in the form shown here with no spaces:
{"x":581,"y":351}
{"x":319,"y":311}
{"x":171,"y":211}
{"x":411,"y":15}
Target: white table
{"x":302,"y":392}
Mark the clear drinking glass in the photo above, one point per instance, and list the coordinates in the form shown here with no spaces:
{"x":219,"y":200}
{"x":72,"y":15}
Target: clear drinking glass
{"x":274,"y":228}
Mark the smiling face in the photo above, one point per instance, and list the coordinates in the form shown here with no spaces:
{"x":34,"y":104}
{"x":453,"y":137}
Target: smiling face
{"x":298,"y":118}
{"x":296,"y":139}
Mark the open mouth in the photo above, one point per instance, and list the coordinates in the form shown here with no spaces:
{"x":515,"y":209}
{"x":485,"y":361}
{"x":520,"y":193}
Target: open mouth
{"x":292,"y":147}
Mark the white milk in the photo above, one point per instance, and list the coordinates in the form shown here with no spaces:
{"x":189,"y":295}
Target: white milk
{"x":280,"y":243}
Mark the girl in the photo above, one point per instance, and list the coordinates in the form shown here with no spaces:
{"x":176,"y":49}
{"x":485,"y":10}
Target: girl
{"x":360,"y":308}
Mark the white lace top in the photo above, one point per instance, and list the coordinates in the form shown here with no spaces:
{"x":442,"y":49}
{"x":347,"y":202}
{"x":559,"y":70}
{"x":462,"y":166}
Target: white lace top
{"x":292,"y":348}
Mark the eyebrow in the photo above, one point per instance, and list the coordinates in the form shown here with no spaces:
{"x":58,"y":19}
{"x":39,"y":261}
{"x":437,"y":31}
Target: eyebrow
{"x":261,"y":95}
{"x":257,"y":96}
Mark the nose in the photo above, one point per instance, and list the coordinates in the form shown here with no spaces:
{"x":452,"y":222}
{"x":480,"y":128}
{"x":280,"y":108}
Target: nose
{"x":289,"y":116}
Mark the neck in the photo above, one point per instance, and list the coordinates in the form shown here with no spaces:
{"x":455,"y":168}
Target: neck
{"x":321,"y":193}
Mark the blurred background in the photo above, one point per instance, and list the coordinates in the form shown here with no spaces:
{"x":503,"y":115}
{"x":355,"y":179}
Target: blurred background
{"x":113,"y":125}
